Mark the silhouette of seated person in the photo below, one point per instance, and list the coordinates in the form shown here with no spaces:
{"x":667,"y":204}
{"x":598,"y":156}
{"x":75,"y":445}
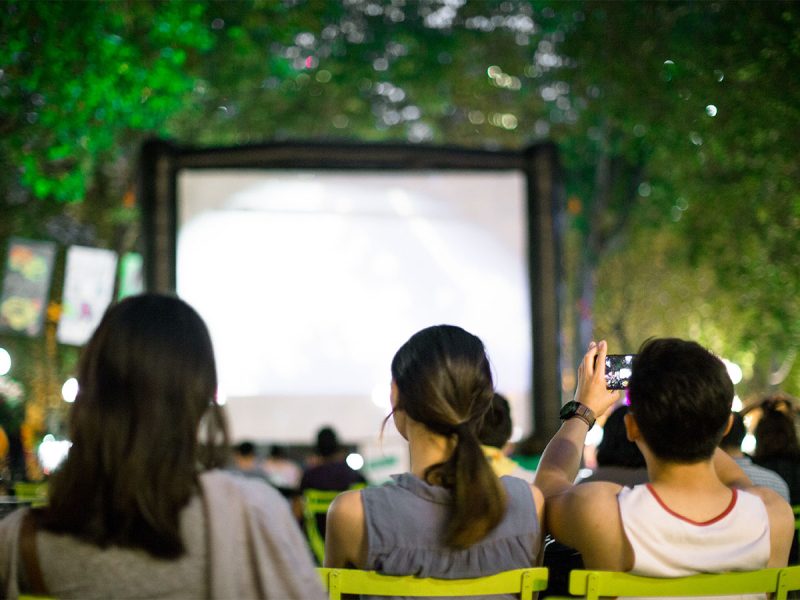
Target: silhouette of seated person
{"x":777,"y":448}
{"x":245,"y":461}
{"x":330,"y":471}
{"x":494,"y":434}
{"x":732,"y":445}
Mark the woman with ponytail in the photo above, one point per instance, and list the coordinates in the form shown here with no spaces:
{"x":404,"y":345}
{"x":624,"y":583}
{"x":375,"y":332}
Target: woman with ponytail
{"x":450,"y":516}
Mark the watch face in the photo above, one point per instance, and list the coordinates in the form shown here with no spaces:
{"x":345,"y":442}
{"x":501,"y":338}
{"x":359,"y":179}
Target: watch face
{"x":569,"y":409}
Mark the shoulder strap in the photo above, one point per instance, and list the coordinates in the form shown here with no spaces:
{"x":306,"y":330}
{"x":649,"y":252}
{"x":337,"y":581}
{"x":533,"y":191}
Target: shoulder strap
{"x":30,"y":558}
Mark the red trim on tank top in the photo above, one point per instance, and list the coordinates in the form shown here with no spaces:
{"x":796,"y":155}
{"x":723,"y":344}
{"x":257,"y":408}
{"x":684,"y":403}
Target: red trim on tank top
{"x":722,"y":515}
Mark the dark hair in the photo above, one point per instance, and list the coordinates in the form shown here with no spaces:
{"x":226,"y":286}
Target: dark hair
{"x":775,"y":434}
{"x":680,"y":395}
{"x":615,"y":449}
{"x":245,"y":448}
{"x":496,"y":427}
{"x":444,"y":382}
{"x":147,"y":379}
{"x":735,"y":435}
{"x":327,"y":442}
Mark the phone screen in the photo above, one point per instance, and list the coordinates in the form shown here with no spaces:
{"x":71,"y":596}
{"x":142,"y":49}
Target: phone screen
{"x":618,"y":370}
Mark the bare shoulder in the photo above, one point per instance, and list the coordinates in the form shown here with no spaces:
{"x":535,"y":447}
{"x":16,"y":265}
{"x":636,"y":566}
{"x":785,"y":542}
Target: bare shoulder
{"x":538,"y":501}
{"x":781,"y":524}
{"x":586,"y":517}
{"x":347,"y":506}
{"x":777,"y":507}
{"x":345,"y":538}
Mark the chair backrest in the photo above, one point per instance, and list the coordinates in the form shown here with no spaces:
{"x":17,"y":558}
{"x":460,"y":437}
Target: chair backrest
{"x":316,"y":503}
{"x":34,"y":492}
{"x":597,"y":584}
{"x":353,"y":581}
{"x":796,"y":509}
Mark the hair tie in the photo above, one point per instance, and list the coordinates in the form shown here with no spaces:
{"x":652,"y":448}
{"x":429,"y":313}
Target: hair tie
{"x":462,"y":429}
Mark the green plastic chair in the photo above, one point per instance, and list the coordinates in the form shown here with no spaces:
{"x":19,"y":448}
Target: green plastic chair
{"x":34,"y":492}
{"x":316,"y":502}
{"x":796,"y":509}
{"x":592,"y":585}
{"x":353,"y":581}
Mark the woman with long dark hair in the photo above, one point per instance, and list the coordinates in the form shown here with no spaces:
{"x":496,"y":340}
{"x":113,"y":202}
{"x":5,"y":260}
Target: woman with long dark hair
{"x":136,"y":509}
{"x":450,"y":516}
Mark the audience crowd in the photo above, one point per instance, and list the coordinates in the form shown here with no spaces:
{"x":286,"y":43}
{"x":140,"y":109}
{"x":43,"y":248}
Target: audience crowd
{"x":153,"y":501}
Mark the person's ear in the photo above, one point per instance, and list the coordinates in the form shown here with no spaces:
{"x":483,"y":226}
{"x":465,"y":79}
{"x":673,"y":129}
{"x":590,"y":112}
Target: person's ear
{"x":631,"y":427}
{"x":398,"y":414}
{"x":729,"y":425}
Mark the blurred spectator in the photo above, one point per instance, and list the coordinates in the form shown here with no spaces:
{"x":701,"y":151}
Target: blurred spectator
{"x":330,"y":471}
{"x":282,"y":471}
{"x":137,"y":510}
{"x":246,"y":461}
{"x":494,"y":433}
{"x":732,"y":444}
{"x":619,"y":460}
{"x":777,"y":447}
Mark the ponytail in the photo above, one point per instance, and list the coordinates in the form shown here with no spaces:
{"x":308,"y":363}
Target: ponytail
{"x":478,"y":499}
{"x":444,"y":381}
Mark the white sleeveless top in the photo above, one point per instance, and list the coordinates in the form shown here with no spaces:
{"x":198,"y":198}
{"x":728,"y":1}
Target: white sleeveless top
{"x":666,"y":544}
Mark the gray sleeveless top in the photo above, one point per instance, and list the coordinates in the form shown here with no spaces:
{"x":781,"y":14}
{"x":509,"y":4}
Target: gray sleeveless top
{"x":405,"y":523}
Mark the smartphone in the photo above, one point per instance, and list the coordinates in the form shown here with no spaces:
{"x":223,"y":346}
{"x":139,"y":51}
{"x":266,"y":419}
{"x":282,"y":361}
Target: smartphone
{"x":618,"y":370}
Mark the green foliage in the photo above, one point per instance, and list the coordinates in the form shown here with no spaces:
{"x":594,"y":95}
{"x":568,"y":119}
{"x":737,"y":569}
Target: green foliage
{"x":77,"y":77}
{"x":676,"y":122}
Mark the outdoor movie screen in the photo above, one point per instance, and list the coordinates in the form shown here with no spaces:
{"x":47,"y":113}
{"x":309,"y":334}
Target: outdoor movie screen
{"x":310,"y":280}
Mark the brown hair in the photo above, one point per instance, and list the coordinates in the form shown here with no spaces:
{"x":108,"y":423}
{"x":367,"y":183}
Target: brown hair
{"x":444,"y":381}
{"x":147,"y":379}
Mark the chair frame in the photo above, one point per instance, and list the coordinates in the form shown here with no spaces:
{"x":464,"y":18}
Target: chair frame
{"x":593,"y":585}
{"x":354,"y":581}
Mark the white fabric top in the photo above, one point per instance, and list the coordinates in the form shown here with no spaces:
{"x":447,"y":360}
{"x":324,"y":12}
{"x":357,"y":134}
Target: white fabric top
{"x":666,"y":544}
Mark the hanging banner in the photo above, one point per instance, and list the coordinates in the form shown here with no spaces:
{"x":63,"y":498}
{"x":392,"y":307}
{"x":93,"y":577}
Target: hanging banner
{"x":131,"y":275}
{"x":88,"y":290}
{"x":26,"y":286}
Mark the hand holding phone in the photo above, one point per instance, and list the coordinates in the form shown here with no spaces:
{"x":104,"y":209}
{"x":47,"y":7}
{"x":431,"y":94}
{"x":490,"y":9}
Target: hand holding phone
{"x":618,"y":370}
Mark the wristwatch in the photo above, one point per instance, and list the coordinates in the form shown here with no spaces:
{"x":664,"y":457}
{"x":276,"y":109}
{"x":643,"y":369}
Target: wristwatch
{"x":576,"y":409}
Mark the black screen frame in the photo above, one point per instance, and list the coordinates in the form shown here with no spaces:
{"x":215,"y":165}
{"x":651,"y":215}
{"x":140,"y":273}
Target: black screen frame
{"x":161,"y":161}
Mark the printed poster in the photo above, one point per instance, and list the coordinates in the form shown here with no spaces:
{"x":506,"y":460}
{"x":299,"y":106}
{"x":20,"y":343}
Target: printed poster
{"x":88,"y":290}
{"x":26,"y":286}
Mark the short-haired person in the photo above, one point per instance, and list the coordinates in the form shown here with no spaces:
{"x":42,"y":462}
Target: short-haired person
{"x":699,"y":513}
{"x":451,"y":516}
{"x":135,"y":511}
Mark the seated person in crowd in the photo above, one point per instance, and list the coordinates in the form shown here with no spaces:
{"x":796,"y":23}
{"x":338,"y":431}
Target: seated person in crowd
{"x":777,"y":447}
{"x":450,"y":517}
{"x":618,"y":459}
{"x":246,"y":462}
{"x":329,"y":472}
{"x":699,"y":513}
{"x":732,"y":445}
{"x":135,"y":511}
{"x":494,"y":433}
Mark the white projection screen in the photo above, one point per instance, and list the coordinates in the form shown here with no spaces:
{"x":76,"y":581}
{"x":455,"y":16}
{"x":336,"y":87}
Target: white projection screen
{"x":311,"y":277}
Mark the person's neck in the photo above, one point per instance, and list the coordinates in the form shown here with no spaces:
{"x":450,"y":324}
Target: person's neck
{"x":427,"y":448}
{"x":696,"y":476}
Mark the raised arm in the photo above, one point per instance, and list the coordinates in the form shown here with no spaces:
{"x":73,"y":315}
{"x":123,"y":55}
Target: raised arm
{"x":729,"y":472}
{"x":562,"y":457}
{"x":585,"y":517}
